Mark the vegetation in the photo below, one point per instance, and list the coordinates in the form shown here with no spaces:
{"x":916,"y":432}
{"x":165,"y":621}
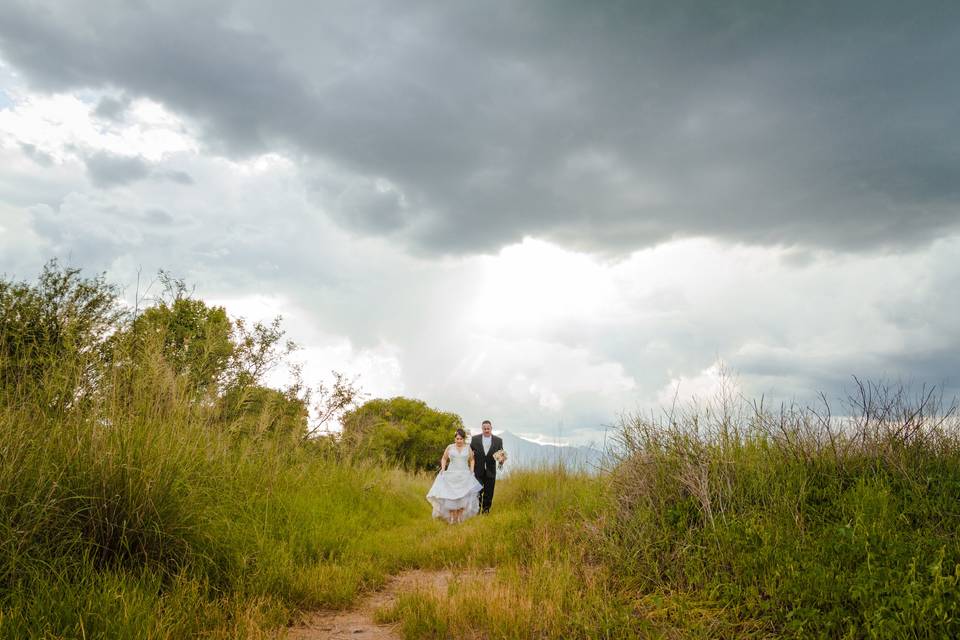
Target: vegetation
{"x":405,"y":432}
{"x":54,"y":337}
{"x":731,"y":520}
{"x":728,"y":520}
{"x":151,"y":487}
{"x":548,"y":583}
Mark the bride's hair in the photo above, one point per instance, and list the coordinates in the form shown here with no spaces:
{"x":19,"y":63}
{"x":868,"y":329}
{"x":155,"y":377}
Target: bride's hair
{"x":461,"y":433}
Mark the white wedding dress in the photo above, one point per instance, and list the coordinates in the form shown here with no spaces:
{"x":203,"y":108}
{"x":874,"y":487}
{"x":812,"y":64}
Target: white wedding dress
{"x":455,"y":488}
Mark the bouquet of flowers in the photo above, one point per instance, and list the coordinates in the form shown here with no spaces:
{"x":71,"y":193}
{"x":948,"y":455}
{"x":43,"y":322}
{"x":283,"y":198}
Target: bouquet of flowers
{"x":500,"y":457}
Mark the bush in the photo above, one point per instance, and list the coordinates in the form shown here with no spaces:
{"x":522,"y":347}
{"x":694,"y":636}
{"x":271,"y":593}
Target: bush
{"x":403,"y":431}
{"x":55,"y":337}
{"x":746,"y":522}
{"x":194,"y":338}
{"x":129,"y":506}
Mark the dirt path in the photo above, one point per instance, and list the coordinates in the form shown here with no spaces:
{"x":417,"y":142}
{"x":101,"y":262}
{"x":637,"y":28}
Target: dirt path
{"x":357,"y":623}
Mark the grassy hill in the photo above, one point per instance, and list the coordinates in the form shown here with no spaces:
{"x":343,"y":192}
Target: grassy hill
{"x":160,"y":531}
{"x":150,"y":489}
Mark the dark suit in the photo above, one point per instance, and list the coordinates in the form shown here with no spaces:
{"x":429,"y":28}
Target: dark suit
{"x":485,"y":468}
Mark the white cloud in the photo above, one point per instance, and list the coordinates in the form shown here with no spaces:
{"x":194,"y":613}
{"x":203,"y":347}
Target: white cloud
{"x":64,"y":126}
{"x":708,"y":384}
{"x":534,"y":336}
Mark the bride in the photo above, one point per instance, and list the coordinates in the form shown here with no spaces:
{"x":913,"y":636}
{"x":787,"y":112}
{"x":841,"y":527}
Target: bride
{"x":454,"y":492}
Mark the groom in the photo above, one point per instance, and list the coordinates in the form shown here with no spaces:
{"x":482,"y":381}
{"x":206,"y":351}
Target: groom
{"x":484,"y":445}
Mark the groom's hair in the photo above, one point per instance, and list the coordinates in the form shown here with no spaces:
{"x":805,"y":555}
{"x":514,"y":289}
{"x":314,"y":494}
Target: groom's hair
{"x":486,"y":422}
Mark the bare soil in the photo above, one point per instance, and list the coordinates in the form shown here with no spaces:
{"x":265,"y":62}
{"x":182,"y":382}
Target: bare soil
{"x":357,"y":623}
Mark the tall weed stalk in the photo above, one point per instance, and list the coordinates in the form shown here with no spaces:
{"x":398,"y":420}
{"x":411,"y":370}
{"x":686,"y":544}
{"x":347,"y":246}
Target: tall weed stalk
{"x":732,"y":519}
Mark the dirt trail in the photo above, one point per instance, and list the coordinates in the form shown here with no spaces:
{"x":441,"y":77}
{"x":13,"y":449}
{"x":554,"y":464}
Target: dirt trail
{"x":357,"y":623}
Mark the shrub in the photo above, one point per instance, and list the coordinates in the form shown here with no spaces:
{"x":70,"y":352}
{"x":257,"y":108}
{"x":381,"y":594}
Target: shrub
{"x":55,"y":336}
{"x":401,"y":430}
{"x":795,"y":523}
{"x":129,"y":507}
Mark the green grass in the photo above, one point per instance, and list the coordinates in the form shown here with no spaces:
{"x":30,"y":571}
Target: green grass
{"x":546,"y":584}
{"x":136,"y":512}
{"x":728,"y":523}
{"x":141,"y":516}
{"x":242,"y":541}
{"x":791,"y":526}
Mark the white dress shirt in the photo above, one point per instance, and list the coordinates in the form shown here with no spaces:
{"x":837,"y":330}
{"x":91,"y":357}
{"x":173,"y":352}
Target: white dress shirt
{"x":487,"y":443}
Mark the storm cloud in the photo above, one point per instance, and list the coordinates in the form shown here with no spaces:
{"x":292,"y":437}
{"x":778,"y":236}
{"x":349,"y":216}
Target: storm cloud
{"x":545,"y":213}
{"x":109,"y":170}
{"x":603,"y":126}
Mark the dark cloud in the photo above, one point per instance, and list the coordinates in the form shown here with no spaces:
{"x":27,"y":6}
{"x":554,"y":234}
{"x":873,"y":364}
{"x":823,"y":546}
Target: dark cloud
{"x":932,"y":367}
{"x":107,"y":170}
{"x":158,"y":217}
{"x":369,"y":208}
{"x":40,"y":157}
{"x":111,"y":170}
{"x":180,"y":177}
{"x":605,"y":126}
{"x":111,"y":108}
{"x":789,"y":328}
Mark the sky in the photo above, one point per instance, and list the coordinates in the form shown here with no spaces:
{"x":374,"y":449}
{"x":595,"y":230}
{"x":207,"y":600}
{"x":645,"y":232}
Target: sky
{"x":545,"y":214}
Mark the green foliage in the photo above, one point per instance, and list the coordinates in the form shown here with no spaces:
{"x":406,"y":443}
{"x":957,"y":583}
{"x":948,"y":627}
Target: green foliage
{"x":404,"y":431}
{"x":216,"y":355}
{"x":546,"y":582}
{"x":195,"y":339}
{"x":129,"y":507}
{"x":256,"y":410}
{"x":54,"y":336}
{"x":220,"y":361}
{"x":791,"y":524}
{"x":141,"y":516}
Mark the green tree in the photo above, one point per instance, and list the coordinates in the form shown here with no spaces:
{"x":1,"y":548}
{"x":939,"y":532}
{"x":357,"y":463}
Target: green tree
{"x":201,"y":342}
{"x":194,"y":338}
{"x":66,"y":340}
{"x":401,"y":430}
{"x":55,"y":335}
{"x":255,"y":410}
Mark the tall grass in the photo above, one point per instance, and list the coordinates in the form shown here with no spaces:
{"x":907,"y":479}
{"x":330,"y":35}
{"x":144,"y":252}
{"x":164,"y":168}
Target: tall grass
{"x":133,"y":506}
{"x":727,"y":519}
{"x":730,"y":520}
{"x":130,"y":507}
{"x":547,"y":583}
{"x":140,"y":515}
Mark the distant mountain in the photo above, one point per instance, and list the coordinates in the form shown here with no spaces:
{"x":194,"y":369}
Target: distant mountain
{"x":525,"y":454}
